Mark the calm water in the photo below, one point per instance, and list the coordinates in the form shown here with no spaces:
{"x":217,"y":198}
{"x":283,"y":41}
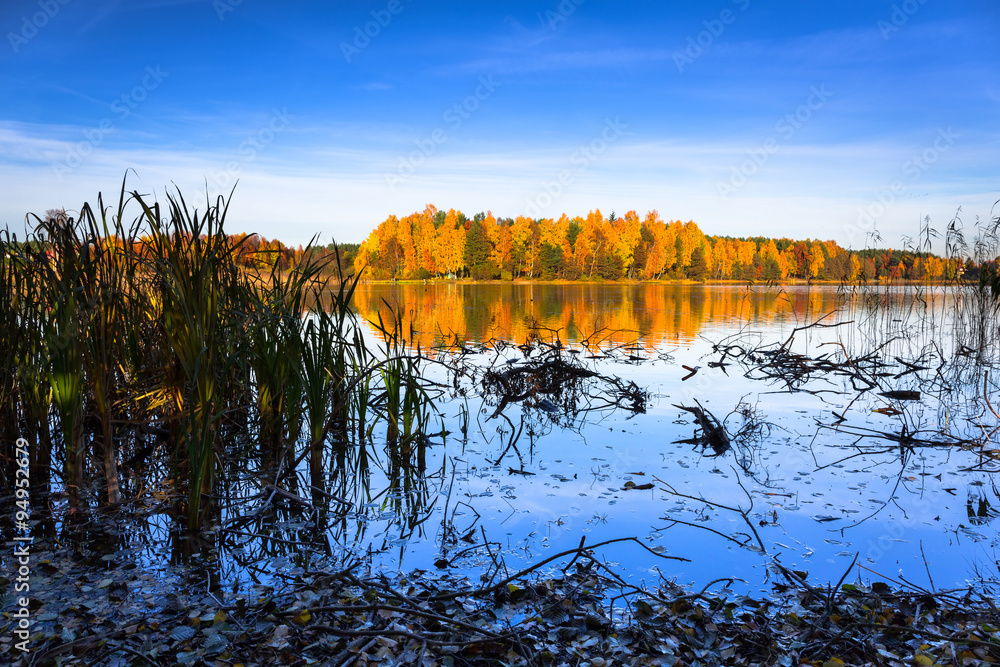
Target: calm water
{"x":816,"y":496}
{"x":662,"y":314}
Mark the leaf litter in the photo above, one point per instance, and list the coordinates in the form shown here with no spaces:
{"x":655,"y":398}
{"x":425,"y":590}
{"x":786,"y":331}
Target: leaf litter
{"x":579,"y":613}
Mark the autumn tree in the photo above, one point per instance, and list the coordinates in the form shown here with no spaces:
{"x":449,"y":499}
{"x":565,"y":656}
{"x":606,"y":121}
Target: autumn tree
{"x":816,"y":260}
{"x":500,"y":241}
{"x":449,"y":246}
{"x":524,"y":245}
{"x":724,"y":254}
{"x":437,"y":242}
{"x":626,"y":235}
{"x":687,"y":240}
{"x":663,"y":250}
{"x":589,"y":242}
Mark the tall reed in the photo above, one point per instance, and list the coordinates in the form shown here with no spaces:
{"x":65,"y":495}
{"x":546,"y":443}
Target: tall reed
{"x":151,"y":346}
{"x":25,"y":395}
{"x":107,"y":294}
{"x":403,"y":400}
{"x":194,"y":273}
{"x":60,"y":276}
{"x":325,"y":351}
{"x":274,"y":346}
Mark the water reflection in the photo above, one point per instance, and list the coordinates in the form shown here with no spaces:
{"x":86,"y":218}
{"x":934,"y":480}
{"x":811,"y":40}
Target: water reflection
{"x":567,"y":476}
{"x":661,"y":315}
{"x":980,"y":509}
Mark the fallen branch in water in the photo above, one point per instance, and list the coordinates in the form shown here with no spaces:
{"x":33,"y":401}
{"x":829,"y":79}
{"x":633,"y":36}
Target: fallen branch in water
{"x":713,"y":433}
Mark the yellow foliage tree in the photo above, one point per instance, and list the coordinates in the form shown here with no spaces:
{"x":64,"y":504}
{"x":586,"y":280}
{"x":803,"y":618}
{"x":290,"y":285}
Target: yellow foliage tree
{"x":816,"y":260}
{"x":626,"y":237}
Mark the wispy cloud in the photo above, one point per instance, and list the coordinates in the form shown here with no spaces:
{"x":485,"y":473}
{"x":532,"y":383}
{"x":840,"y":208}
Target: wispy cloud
{"x":353,"y":122}
{"x":340,"y":190}
{"x":549,"y":62}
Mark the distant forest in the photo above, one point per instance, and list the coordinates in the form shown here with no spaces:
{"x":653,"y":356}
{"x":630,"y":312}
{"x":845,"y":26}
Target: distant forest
{"x":434,"y":243}
{"x":440,"y":244}
{"x":259,"y":252}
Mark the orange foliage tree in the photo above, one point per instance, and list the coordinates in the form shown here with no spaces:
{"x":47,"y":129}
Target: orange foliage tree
{"x":436,"y":243}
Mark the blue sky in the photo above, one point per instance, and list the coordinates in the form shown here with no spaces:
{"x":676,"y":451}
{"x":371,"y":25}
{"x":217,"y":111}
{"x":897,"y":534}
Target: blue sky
{"x":799,"y":119}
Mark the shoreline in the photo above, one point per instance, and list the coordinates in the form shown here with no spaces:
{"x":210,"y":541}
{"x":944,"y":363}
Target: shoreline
{"x":678,"y":281}
{"x":336,"y":614}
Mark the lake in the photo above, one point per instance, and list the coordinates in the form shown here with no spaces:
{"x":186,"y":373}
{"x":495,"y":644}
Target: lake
{"x":800,"y":484}
{"x":568,"y":412}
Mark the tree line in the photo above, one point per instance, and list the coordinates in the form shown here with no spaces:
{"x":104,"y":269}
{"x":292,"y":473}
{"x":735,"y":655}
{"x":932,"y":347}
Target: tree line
{"x":436,"y":243}
{"x":448,"y":244}
{"x":251,"y":250}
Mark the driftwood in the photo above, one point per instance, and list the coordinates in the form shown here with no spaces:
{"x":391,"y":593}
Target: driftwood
{"x":713,"y":433}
